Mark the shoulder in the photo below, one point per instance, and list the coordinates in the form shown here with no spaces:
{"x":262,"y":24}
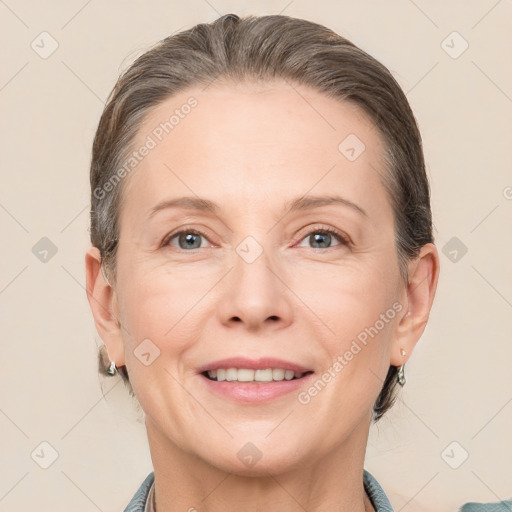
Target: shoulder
{"x":499,"y":506}
{"x":138,"y":502}
{"x":376,"y":494}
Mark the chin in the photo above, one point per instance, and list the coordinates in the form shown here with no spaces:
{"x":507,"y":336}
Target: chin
{"x":256,"y":460}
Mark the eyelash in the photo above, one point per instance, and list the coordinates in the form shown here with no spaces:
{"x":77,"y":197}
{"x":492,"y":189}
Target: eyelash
{"x":341,"y":237}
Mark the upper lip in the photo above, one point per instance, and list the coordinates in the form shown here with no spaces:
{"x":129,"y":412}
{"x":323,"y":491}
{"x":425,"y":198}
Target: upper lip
{"x":253,"y":364}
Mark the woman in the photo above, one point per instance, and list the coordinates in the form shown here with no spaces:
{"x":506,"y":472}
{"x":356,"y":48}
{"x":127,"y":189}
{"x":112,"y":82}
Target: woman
{"x":262,"y":261}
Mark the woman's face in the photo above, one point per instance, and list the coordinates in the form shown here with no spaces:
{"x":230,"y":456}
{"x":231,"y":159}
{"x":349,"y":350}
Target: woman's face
{"x":255,"y":276}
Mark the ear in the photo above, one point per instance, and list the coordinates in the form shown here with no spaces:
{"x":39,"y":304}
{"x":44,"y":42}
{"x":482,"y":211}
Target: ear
{"x":423,"y":277}
{"x":103,"y":301}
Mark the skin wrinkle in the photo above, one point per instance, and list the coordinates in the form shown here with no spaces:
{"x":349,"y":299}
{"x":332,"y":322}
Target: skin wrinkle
{"x":249,"y":153}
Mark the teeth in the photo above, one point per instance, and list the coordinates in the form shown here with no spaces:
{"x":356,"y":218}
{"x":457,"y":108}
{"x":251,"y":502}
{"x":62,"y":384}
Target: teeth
{"x":231,"y":374}
{"x":246,"y":375}
{"x":278,"y":374}
{"x":263,"y":375}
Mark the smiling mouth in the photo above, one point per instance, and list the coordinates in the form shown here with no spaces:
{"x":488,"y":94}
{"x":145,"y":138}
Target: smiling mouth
{"x":246,"y":375}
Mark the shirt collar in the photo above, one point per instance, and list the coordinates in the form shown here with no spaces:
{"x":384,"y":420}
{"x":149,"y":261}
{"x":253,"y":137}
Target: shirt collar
{"x":143,"y":499}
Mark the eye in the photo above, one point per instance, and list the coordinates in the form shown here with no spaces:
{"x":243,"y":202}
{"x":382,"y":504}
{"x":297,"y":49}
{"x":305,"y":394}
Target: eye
{"x":321,"y":238}
{"x":186,"y":239}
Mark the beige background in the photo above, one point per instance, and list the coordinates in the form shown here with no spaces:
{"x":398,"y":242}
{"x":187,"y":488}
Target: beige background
{"x":459,"y":383}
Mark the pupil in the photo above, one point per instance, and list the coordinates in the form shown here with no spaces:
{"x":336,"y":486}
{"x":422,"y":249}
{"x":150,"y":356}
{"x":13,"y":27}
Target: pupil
{"x":189,"y":239}
{"x":319,"y":237}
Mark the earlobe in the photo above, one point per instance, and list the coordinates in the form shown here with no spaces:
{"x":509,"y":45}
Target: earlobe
{"x":423,"y":278}
{"x":102,"y":300}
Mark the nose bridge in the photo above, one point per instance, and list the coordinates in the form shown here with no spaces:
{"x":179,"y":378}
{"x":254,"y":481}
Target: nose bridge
{"x":254,"y":275}
{"x":253,"y":253}
{"x":255,"y":294}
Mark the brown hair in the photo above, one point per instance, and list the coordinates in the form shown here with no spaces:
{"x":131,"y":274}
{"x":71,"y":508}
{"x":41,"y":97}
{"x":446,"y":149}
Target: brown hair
{"x":264,"y":48}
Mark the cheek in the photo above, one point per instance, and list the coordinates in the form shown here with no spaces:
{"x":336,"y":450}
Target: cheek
{"x":361,"y":316}
{"x":346,"y":298}
{"x":162,"y":305}
{"x":159,"y":312}
{"x":354,"y":310}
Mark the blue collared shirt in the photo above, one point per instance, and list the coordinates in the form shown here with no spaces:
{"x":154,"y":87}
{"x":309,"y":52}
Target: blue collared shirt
{"x":379,"y":500}
{"x":377,"y":496}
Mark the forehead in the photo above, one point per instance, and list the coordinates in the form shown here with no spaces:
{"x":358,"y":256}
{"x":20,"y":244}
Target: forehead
{"x":257,"y":141}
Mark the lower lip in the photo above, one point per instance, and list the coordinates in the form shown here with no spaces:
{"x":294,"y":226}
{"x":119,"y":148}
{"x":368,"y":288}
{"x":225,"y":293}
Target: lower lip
{"x":255,"y":392}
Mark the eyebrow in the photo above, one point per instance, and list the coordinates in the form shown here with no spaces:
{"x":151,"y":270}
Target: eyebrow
{"x":309,"y":202}
{"x":293,"y":205}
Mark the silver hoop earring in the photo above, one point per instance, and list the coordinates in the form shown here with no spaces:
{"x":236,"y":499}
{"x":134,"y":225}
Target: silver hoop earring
{"x":400,"y":376}
{"x":112,"y":368}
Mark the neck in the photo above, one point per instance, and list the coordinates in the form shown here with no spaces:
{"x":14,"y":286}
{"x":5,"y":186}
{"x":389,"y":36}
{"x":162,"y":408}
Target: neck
{"x":333,"y":483}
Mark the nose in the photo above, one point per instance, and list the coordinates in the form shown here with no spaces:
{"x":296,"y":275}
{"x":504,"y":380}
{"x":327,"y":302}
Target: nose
{"x":254,"y":294}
